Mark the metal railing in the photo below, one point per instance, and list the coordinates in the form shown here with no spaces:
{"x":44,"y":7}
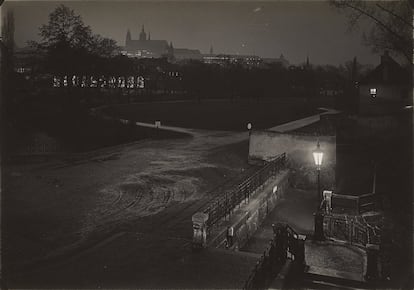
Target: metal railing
{"x":286,"y":244}
{"x":225,"y":203}
{"x":352,"y":229}
{"x":359,"y":204}
{"x":369,"y":202}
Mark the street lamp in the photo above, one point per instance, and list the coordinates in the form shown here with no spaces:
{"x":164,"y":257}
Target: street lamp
{"x":318,"y":157}
{"x":249,"y":127}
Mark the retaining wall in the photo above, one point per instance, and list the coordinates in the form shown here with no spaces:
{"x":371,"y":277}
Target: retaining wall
{"x":248,"y":217}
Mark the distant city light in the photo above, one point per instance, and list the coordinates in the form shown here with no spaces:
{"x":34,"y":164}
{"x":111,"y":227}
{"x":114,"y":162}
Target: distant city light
{"x":129,"y":82}
{"x":56,"y":82}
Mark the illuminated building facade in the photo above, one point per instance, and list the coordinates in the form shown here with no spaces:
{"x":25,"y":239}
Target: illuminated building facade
{"x":228,"y":59}
{"x":145,"y":47}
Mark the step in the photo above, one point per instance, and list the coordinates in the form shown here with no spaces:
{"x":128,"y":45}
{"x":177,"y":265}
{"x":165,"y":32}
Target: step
{"x":237,"y":253}
{"x":320,"y":285}
{"x":335,"y":277}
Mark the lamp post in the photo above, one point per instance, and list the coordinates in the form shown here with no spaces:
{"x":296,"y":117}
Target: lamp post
{"x":318,"y":157}
{"x":249,"y":127}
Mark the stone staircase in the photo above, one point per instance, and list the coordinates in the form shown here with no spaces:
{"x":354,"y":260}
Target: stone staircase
{"x":325,"y":278}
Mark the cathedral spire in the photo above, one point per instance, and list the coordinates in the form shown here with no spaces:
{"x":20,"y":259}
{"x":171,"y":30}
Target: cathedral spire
{"x":142,"y":35}
{"x":128,"y":37}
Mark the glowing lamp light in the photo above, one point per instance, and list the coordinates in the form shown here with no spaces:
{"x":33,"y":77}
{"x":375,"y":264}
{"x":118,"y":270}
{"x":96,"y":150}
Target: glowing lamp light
{"x":318,"y":156}
{"x":249,"y":126}
{"x":373,"y":92}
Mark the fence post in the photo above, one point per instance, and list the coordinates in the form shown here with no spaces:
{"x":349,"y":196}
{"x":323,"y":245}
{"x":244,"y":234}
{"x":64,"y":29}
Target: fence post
{"x":372,"y":262}
{"x":358,"y":205}
{"x":300,"y":250}
{"x":318,"y":226}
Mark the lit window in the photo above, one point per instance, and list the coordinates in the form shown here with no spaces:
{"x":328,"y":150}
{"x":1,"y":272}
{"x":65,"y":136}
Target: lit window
{"x":121,"y":82}
{"x":83,"y":83}
{"x":102,"y":82}
{"x":131,"y":82}
{"x":75,"y":81}
{"x":56,"y":82}
{"x":112,"y":82}
{"x":93,"y":82}
{"x":140,"y":82}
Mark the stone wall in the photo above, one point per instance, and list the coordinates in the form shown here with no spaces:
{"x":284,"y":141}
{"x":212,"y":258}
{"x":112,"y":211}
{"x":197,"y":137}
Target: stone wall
{"x":248,"y":217}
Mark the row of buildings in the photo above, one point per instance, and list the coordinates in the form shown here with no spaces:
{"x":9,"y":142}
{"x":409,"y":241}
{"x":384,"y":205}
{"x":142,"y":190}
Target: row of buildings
{"x":145,"y":47}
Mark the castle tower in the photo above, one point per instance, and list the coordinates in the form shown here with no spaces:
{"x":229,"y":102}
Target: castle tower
{"x":142,"y":35}
{"x":170,"y":52}
{"x":128,"y":37}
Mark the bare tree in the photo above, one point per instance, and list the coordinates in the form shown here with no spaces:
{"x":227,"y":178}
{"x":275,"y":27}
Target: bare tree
{"x":392,"y":24}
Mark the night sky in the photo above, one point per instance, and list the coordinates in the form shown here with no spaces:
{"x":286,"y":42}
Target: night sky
{"x":267,"y":29}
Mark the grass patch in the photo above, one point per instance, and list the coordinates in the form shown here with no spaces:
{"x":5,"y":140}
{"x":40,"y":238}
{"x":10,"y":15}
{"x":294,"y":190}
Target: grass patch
{"x":216,"y":115}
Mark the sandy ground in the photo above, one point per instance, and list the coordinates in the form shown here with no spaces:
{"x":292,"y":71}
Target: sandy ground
{"x":67,"y":207}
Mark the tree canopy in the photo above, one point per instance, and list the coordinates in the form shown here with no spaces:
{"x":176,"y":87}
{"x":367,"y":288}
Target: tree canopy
{"x":69,"y":44}
{"x":393,"y":26}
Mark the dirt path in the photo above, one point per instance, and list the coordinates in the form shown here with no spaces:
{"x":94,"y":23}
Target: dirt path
{"x":60,"y":212}
{"x":66,"y":207}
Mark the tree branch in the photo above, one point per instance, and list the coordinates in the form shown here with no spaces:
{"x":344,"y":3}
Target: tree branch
{"x":379,"y":22}
{"x":396,"y":16}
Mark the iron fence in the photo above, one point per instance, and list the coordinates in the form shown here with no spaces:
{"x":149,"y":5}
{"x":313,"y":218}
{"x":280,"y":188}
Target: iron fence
{"x":352,"y":229}
{"x":286,"y":244}
{"x":226,"y":202}
{"x":369,"y":202}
